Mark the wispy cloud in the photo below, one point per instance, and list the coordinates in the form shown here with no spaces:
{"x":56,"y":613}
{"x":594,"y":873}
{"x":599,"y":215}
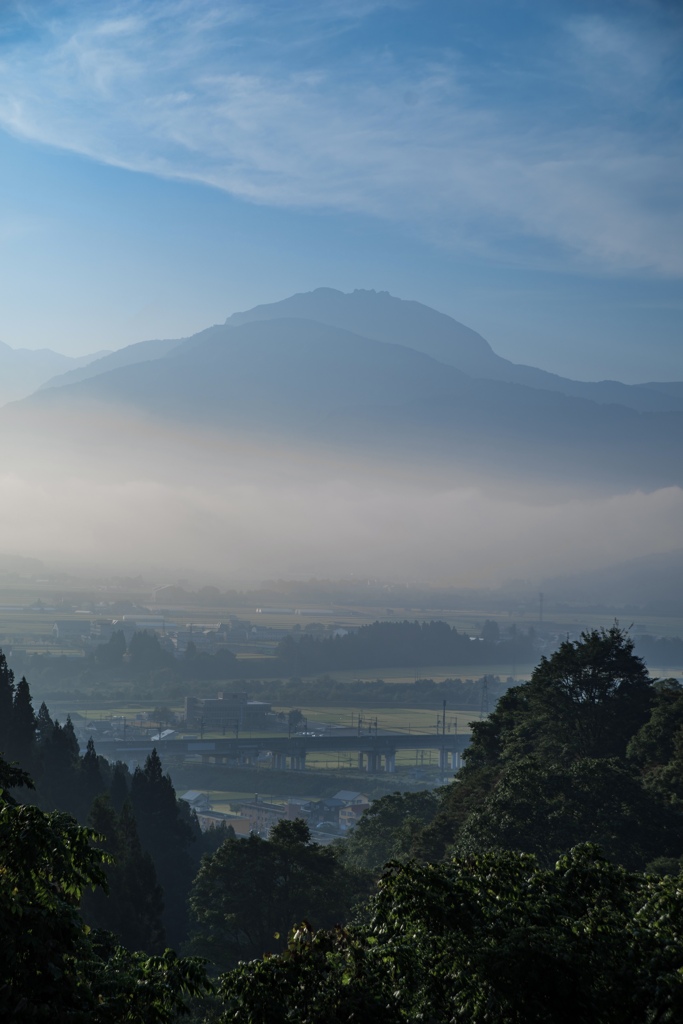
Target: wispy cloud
{"x":253,"y":98}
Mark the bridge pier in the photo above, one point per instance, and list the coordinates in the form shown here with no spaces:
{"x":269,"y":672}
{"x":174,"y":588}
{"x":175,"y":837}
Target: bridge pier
{"x":390,"y":761}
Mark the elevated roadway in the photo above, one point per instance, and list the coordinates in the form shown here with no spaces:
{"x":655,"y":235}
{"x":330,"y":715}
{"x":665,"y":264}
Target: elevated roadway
{"x":375,"y":751}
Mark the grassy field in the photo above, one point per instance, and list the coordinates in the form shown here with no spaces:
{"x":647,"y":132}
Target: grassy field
{"x":436,"y":672}
{"x":345,"y":761}
{"x":408,"y":720}
{"x":417,"y":720}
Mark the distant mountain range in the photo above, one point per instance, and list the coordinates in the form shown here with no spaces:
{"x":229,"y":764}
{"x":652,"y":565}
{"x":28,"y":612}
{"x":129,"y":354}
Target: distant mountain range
{"x":651,"y":583}
{"x":369,"y":373}
{"x":22,"y":370}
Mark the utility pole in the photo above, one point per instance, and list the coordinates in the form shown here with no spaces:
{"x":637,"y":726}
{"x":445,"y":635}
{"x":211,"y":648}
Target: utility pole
{"x":484,"y":708}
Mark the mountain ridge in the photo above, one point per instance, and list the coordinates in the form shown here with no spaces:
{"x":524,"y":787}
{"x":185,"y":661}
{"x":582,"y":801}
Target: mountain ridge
{"x":307,"y":382}
{"x":380,"y":316}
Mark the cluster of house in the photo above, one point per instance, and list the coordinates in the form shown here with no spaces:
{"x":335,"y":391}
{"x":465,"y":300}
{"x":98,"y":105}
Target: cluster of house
{"x":327,"y":818}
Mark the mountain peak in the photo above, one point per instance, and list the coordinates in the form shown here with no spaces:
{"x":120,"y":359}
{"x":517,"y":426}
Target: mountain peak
{"x":381,"y":316}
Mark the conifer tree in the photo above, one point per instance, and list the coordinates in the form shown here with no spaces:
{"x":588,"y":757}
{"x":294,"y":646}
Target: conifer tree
{"x":22,"y":741}
{"x":60,"y":764}
{"x":134,"y":904}
{"x":44,"y":724}
{"x":120,"y":785}
{"x":167,"y":835}
{"x":90,"y":781}
{"x":6,"y":702}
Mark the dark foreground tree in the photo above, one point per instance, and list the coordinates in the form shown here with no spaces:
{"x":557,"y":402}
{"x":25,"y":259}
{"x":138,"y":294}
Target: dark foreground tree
{"x":489,"y":939}
{"x":53,"y":968}
{"x":546,"y":809}
{"x":549,"y":767}
{"x":133,"y":904}
{"x":389,"y":829}
{"x":250,"y":892}
{"x":167,"y":832}
{"x":587,"y":700}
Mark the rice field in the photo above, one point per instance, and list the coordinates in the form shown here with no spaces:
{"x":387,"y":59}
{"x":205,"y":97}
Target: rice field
{"x":419,"y":721}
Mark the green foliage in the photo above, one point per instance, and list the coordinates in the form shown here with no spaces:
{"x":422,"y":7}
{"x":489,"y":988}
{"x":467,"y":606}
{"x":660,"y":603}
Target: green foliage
{"x":488,"y":939}
{"x":167,"y":832}
{"x":145,"y":654}
{"x":47,"y":862}
{"x":658,"y":747}
{"x":54,"y":969}
{"x":390,"y":829}
{"x":133,"y":904}
{"x":587,"y":700}
{"x":402,"y":644}
{"x":545,"y":809}
{"x":549,"y":769}
{"x":110,"y":655}
{"x":248,"y":894}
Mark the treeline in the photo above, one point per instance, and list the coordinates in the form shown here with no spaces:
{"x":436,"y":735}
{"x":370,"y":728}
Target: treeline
{"x":401,"y":645}
{"x":143,"y":668}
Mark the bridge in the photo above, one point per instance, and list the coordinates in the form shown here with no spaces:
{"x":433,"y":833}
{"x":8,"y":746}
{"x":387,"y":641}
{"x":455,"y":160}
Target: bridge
{"x":376,"y":751}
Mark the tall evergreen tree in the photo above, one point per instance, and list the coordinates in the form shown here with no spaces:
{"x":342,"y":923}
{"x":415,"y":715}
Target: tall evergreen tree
{"x":133,"y":907}
{"x":22,"y":741}
{"x":119,"y":788}
{"x":167,"y":834}
{"x":44,"y":724}
{"x":90,"y":782}
{"x":6,"y":702}
{"x":60,"y":765}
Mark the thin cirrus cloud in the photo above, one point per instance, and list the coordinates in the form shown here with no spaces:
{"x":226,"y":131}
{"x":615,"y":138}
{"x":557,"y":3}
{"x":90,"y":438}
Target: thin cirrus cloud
{"x":563,"y":155}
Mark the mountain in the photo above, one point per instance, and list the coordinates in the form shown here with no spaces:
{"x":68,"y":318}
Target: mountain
{"x":650,"y":583}
{"x":140,"y":352}
{"x":23,"y":370}
{"x":306,"y":382}
{"x":380,"y":316}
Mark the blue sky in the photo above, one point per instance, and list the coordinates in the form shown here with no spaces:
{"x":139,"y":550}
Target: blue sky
{"x":517,"y":165}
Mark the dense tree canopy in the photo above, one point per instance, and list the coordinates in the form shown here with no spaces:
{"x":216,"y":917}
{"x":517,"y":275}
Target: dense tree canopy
{"x":491,"y":939}
{"x":390,"y":829}
{"x":587,"y":700}
{"x":54,"y":969}
{"x":249,"y":893}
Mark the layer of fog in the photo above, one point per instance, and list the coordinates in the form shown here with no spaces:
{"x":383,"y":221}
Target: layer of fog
{"x":146,"y":498}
